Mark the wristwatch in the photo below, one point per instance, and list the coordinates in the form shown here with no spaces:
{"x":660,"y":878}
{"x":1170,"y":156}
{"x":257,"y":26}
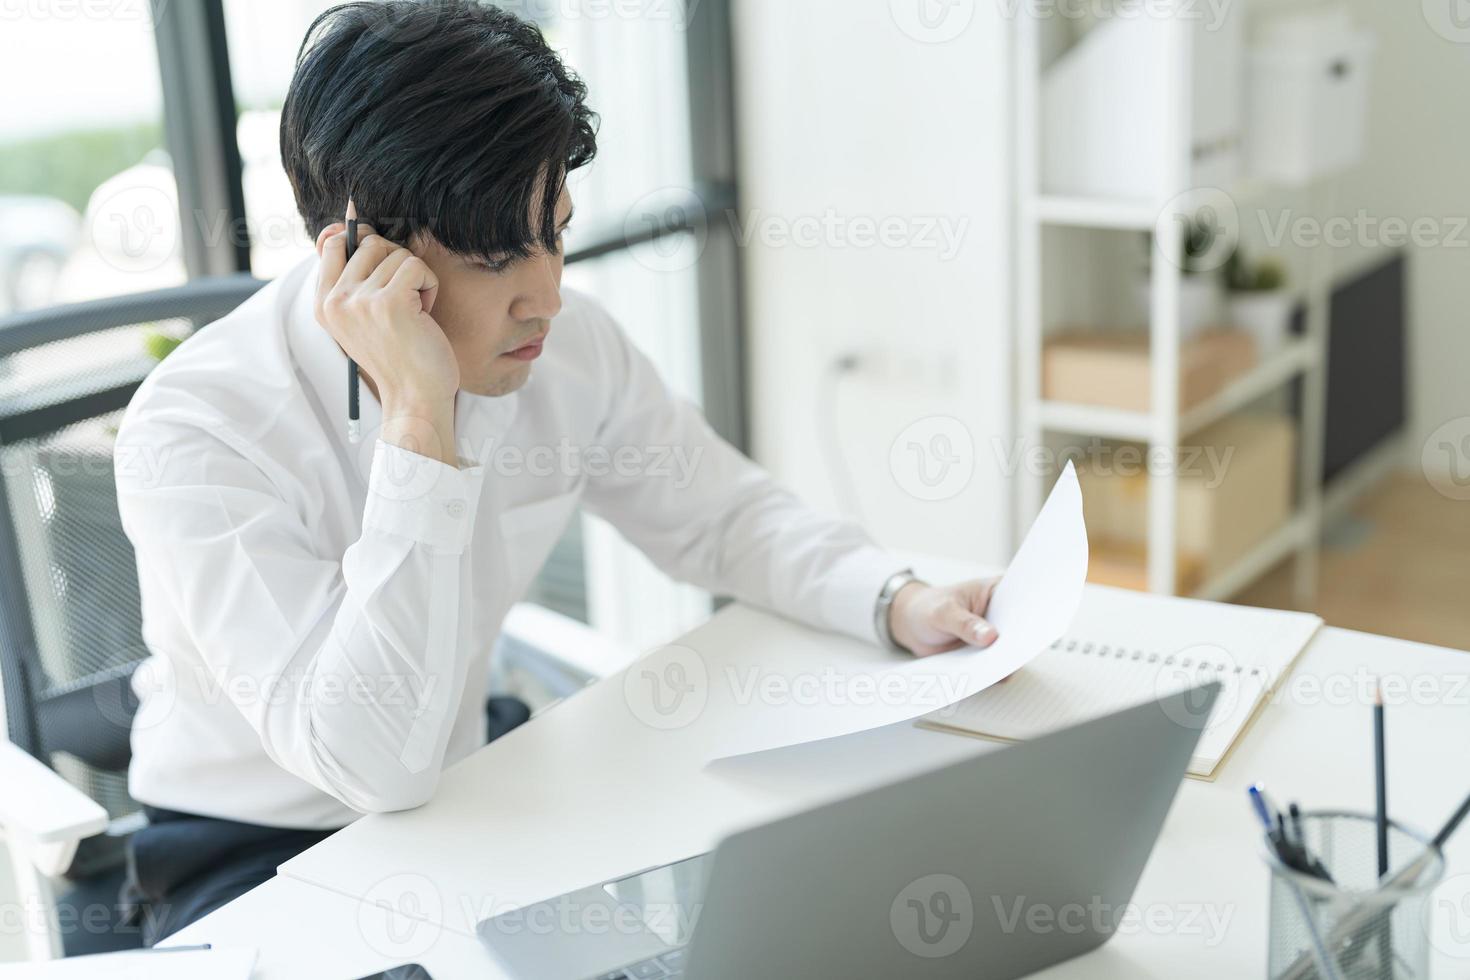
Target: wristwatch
{"x":885,"y":603}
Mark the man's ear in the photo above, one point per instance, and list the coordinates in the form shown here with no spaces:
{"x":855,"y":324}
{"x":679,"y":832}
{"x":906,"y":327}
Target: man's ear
{"x":422,"y":244}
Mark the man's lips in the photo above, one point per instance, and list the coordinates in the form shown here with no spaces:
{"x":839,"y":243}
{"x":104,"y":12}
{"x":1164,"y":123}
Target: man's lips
{"x":530,"y":351}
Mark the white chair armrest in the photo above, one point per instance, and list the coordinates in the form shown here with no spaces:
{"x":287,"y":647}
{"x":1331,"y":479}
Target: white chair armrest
{"x":40,"y":806}
{"x":539,"y":640}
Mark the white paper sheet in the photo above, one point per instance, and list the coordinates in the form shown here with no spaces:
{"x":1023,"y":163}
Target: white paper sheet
{"x":753,"y":703}
{"x":657,"y":726}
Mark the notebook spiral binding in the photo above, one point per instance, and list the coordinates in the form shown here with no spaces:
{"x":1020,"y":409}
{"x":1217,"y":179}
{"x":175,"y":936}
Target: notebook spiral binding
{"x":1105,"y":651}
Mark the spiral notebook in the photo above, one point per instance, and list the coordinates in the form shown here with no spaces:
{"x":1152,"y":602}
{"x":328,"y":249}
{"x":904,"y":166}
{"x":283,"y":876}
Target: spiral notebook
{"x":1125,"y":648}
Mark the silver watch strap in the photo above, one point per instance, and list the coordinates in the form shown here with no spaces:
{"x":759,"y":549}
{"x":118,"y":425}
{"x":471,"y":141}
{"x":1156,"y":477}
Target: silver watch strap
{"x":885,"y":602}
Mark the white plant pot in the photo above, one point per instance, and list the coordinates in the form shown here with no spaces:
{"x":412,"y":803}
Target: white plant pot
{"x":1266,"y":316}
{"x":1201,"y":303}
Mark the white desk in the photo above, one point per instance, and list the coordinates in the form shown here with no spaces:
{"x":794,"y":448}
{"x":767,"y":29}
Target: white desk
{"x":572,"y":799}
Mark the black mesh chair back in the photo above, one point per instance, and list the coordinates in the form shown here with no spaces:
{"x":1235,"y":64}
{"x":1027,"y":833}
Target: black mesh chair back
{"x":69,"y":615}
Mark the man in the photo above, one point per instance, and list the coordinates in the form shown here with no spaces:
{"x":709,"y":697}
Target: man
{"x":319,"y":612}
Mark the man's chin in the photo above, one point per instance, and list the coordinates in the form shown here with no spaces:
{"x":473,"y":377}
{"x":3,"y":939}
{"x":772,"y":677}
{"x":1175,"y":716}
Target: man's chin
{"x":504,"y":382}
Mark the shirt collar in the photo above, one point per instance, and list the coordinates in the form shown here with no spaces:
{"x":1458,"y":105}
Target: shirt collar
{"x":480,"y":421}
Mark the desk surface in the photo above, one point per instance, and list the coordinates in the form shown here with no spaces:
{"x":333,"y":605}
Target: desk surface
{"x":558,"y":804}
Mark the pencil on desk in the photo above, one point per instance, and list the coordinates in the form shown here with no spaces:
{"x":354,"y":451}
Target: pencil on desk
{"x":1381,"y":770}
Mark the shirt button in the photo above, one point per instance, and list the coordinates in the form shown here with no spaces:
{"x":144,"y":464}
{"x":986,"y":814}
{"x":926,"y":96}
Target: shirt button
{"x":454,"y":508}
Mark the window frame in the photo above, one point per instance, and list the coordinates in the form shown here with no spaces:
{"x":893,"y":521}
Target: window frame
{"x":200,"y":123}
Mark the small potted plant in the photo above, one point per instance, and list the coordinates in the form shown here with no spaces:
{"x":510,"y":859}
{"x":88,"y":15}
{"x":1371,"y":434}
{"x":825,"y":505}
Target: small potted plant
{"x":1258,"y":301}
{"x":1201,"y":297}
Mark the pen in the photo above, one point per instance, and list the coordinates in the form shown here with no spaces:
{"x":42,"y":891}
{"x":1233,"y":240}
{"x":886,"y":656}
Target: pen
{"x":1258,"y":800}
{"x":354,"y":425}
{"x":1290,"y":846}
{"x":1289,"y":855}
{"x":1355,"y":919}
{"x":1308,"y":861}
{"x":1453,"y":824}
{"x":1381,"y":780}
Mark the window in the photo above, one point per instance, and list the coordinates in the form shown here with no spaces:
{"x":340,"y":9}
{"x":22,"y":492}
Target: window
{"x":263,"y":37}
{"x":88,"y":206}
{"x":90,"y":201}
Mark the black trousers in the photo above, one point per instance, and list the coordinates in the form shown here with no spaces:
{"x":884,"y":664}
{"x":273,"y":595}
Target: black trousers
{"x":183,"y":866}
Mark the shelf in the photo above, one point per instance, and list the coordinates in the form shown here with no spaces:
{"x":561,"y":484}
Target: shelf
{"x":1095,"y":212}
{"x":1117,"y":423}
{"x":1266,"y":376}
{"x":1226,"y":584}
{"x":1096,"y":420}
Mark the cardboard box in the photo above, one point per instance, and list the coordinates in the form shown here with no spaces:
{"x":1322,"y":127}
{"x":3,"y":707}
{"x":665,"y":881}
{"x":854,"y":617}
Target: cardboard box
{"x":1236,"y":485}
{"x":1125,"y":566}
{"x":1110,"y":368}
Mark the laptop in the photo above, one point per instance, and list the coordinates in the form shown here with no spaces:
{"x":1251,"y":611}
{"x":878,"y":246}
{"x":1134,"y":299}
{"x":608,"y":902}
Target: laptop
{"x":995,"y":866}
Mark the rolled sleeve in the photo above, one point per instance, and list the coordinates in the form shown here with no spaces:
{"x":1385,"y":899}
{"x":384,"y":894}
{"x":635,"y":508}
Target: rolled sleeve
{"x":422,"y":499}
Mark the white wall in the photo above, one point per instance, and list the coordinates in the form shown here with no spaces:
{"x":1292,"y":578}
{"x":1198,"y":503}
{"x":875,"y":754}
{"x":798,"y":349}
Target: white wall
{"x":1414,"y":167}
{"x":843,"y":114}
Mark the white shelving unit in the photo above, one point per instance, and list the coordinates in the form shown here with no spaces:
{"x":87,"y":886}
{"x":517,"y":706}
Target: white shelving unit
{"x":1163,"y":425}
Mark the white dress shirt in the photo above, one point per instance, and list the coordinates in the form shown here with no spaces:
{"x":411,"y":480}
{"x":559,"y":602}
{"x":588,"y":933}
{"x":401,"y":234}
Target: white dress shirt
{"x":320,"y":614}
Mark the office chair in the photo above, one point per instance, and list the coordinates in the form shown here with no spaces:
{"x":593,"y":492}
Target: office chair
{"x":70,"y":624}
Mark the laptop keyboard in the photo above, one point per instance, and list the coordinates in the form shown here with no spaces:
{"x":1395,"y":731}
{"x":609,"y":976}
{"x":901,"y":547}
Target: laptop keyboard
{"x":665,"y":966}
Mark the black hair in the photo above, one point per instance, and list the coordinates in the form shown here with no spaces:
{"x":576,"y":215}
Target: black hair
{"x":450,"y":117}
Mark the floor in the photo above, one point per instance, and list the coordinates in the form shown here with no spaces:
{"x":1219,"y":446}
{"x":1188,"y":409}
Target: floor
{"x":1398,"y":564}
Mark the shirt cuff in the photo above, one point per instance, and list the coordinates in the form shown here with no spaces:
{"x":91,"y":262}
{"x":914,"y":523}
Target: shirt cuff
{"x":422,"y":499}
{"x":850,"y":592}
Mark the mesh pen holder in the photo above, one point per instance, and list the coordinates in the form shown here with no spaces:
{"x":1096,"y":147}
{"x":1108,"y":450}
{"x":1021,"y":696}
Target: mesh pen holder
{"x":1351,"y":928}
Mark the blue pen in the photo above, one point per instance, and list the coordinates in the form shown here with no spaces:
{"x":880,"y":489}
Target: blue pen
{"x":1326,"y":966}
{"x":1258,"y":800}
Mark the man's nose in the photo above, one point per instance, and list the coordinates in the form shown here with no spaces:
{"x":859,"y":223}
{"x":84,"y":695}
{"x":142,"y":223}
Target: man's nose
{"x":540,"y":294}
